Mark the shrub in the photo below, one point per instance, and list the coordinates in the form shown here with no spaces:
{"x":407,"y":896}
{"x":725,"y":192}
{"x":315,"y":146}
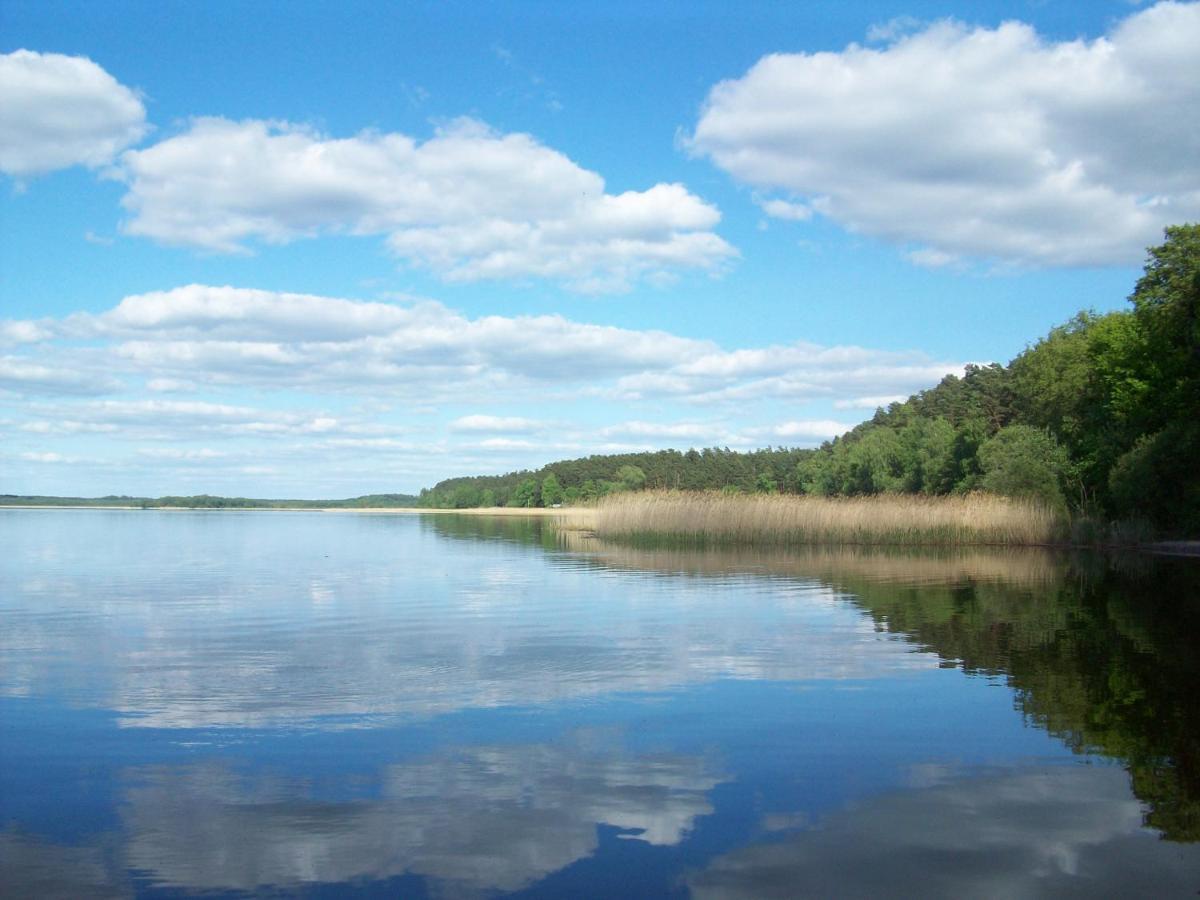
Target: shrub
{"x":1022,"y":461}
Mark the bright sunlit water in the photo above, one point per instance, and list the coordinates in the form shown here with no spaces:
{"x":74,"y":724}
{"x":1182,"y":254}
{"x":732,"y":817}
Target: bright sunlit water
{"x":326,"y":704}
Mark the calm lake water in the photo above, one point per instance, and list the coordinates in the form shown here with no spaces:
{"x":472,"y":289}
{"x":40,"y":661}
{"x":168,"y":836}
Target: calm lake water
{"x":321,"y":704}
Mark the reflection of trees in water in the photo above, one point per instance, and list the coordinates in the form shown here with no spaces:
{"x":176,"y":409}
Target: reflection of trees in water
{"x":531,"y":530}
{"x":1100,"y":651}
{"x":1105,"y":663}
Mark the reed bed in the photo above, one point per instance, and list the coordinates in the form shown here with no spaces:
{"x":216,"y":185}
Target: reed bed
{"x":711,"y":518}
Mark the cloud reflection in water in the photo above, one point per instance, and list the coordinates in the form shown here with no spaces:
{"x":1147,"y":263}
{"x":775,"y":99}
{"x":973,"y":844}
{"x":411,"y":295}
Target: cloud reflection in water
{"x":1053,"y":831}
{"x":254,"y":627}
{"x":471,"y":818}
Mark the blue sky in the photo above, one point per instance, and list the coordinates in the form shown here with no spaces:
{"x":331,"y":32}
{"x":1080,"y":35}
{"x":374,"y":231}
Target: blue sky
{"x":299,"y":249}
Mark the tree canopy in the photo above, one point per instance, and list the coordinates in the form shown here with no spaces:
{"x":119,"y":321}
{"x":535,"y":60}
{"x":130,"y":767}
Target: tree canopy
{"x":1102,"y":414}
{"x":591,"y":477}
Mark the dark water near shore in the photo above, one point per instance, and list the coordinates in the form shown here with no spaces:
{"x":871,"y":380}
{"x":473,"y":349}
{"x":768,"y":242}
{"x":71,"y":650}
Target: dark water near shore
{"x":340,"y":705}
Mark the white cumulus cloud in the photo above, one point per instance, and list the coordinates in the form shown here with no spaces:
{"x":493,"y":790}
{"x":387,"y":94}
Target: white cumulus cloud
{"x":983,"y":143}
{"x":197,"y":338}
{"x":810,"y":429}
{"x":777,"y":208}
{"x":27,"y":376}
{"x":58,"y":111}
{"x":869,"y":402}
{"x":400,"y":393}
{"x":496,"y":424}
{"x":696,"y":432}
{"x":468,"y":204}
{"x":200,"y":335}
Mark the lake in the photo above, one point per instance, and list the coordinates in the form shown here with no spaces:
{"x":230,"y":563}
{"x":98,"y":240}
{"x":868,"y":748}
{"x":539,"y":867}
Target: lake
{"x":322,"y":704}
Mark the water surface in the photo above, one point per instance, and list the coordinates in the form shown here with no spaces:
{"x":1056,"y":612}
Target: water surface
{"x":317,"y":704}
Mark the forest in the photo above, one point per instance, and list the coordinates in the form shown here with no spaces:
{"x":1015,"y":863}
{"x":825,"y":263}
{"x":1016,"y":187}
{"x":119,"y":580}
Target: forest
{"x":1098,"y":418}
{"x":583,"y":480}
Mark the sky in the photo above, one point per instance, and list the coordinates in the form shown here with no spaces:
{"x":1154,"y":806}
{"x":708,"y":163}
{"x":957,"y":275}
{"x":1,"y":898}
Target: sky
{"x":299,"y":249}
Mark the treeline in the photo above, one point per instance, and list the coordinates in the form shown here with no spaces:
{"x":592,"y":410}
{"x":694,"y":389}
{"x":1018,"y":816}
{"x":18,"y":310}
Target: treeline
{"x":209,"y":501}
{"x":588,"y":478}
{"x":40,"y":500}
{"x":1101,"y":416}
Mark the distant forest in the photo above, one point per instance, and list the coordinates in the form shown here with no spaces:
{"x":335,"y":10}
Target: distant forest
{"x":1100,"y":417}
{"x":208,"y":501}
{"x":575,"y":480}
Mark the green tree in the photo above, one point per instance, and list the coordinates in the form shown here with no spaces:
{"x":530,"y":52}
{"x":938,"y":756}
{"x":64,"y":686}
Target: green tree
{"x":1089,"y":383}
{"x":875,"y":463}
{"x":812,"y":474}
{"x":1022,"y":461}
{"x":1166,"y":303}
{"x":984,"y":392}
{"x":631,"y":478}
{"x":1051,"y":380}
{"x":968,"y":438}
{"x":1157,"y":479}
{"x":1158,"y":476}
{"x":526,"y":494}
{"x":552,"y":491}
{"x":765,"y":483}
{"x":927,"y":453}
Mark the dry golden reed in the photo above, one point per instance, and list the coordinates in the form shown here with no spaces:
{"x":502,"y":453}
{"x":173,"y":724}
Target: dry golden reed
{"x":780,"y":519}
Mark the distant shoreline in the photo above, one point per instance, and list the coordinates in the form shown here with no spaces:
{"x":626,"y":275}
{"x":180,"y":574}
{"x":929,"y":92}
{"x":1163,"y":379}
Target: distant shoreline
{"x":535,"y":512}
